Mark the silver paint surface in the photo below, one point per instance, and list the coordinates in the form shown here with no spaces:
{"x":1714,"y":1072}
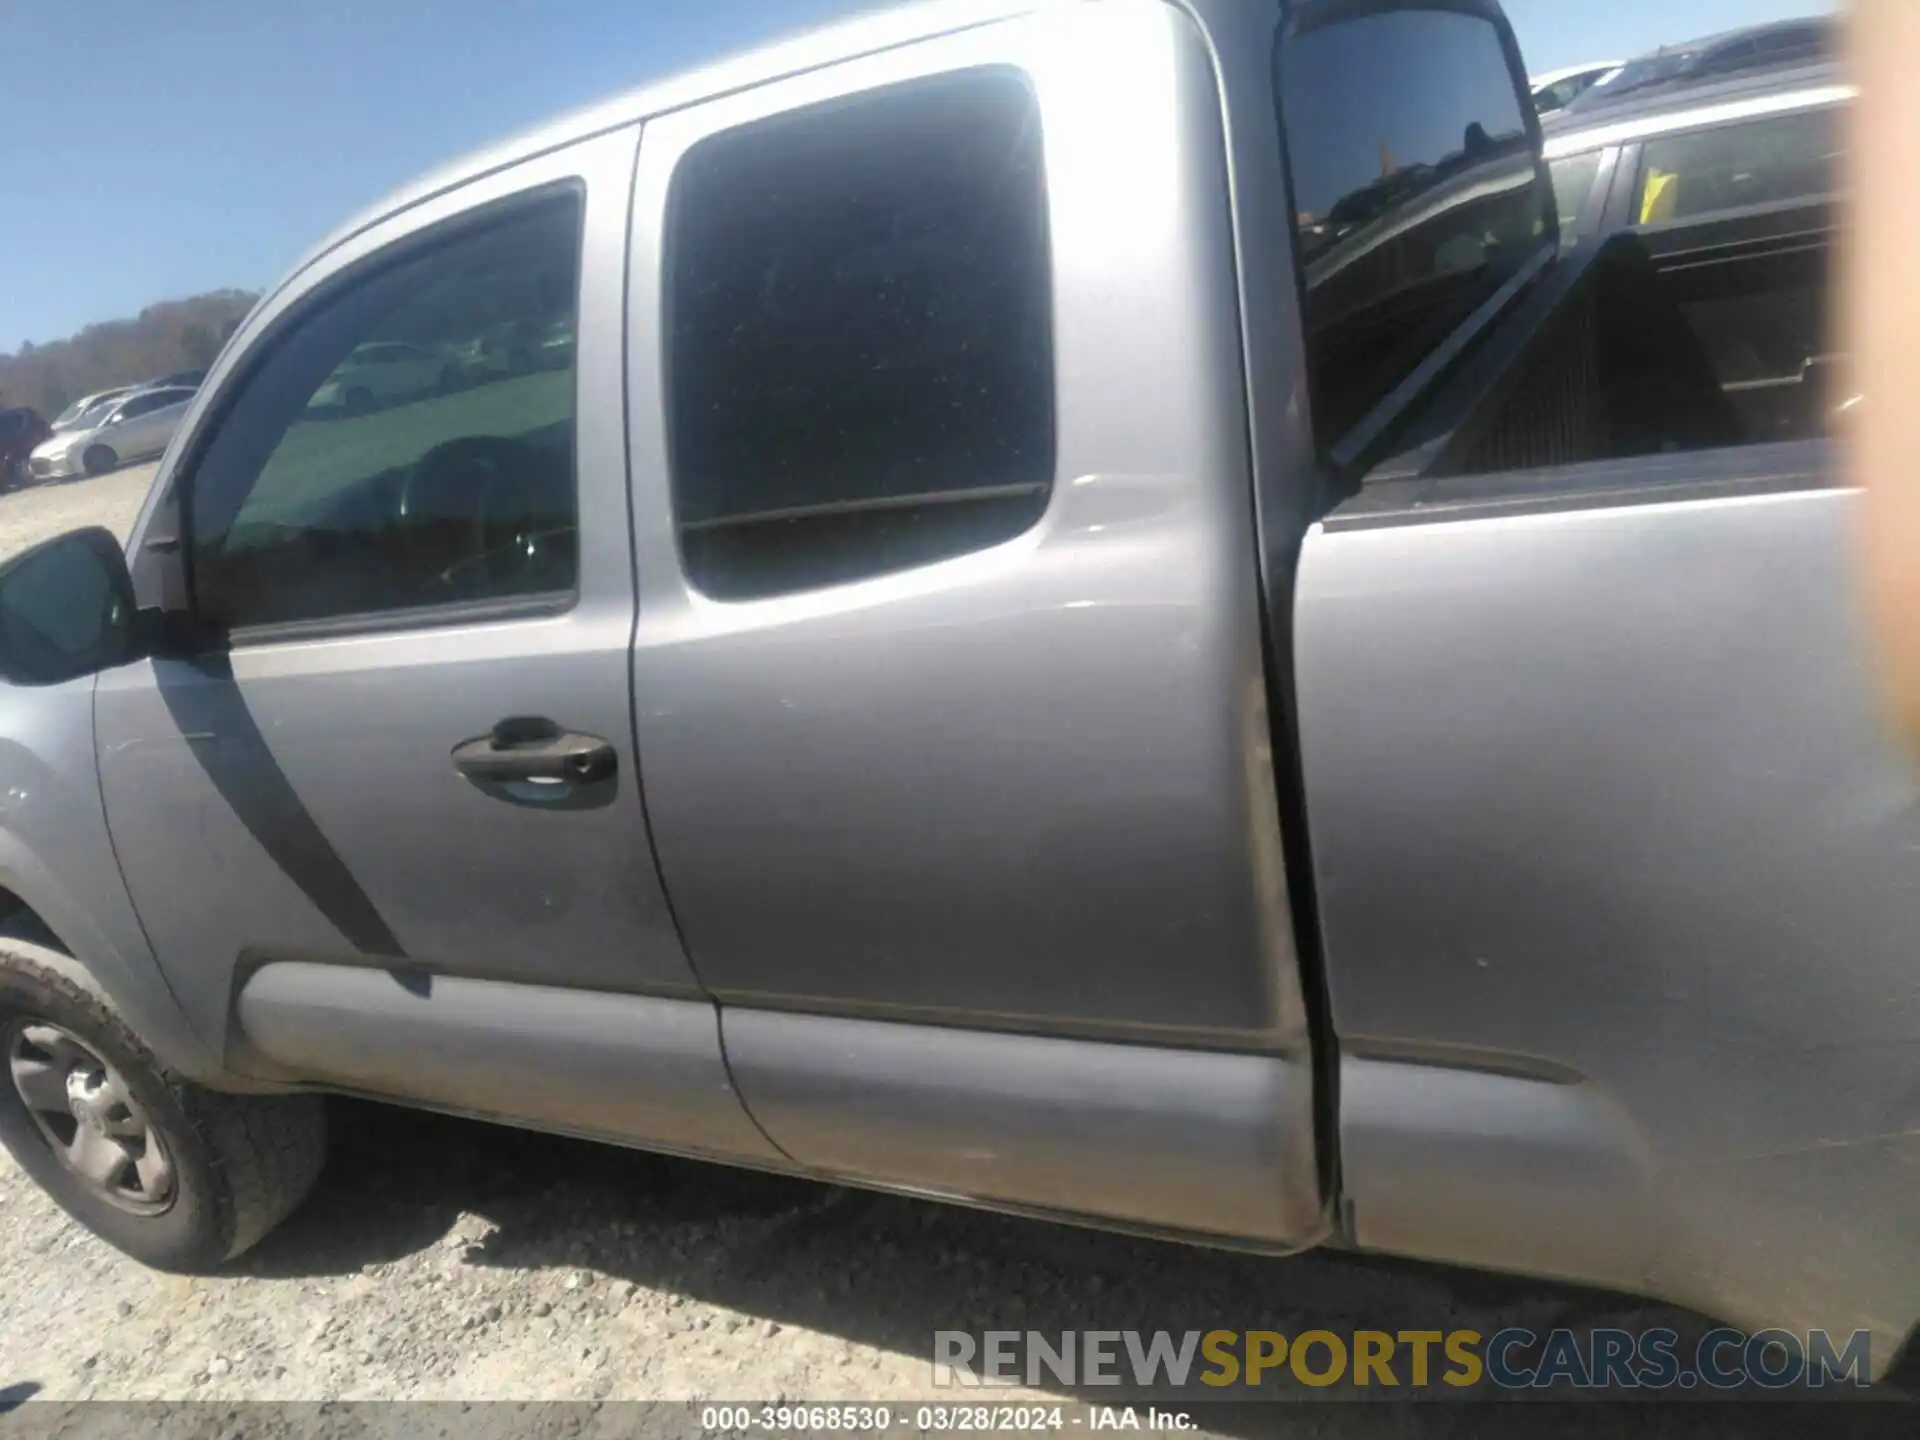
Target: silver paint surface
{"x":1030,"y":785}
{"x":227,"y":791}
{"x":1605,"y":797}
{"x":1182,"y":1139}
{"x":636,"y":1068}
{"x":56,"y":855}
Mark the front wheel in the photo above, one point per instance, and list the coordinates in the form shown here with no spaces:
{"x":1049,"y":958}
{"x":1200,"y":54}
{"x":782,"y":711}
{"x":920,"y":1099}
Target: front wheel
{"x":180,"y":1177}
{"x":99,"y":459}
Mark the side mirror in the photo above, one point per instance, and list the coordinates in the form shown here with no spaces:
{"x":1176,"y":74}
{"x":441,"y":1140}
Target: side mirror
{"x":66,"y":610}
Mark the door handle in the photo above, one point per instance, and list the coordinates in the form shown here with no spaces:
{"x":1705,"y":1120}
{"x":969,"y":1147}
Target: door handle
{"x":529,"y":747}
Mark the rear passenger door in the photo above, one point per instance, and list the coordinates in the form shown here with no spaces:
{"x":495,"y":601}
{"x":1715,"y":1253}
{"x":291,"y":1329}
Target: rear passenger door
{"x":948,"y":672}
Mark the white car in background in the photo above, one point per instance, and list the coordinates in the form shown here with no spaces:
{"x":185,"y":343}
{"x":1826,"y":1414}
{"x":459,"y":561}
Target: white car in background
{"x":69,"y":418}
{"x":131,"y":427}
{"x":1558,"y":89}
{"x":381,"y":372}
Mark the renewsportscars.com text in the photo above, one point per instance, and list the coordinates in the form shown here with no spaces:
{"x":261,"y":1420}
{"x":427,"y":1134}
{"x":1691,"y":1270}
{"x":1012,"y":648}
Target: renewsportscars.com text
{"x":1512,"y":1359}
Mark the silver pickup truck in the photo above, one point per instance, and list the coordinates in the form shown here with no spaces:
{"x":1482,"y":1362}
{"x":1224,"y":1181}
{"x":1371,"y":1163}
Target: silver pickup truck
{"x":1074,"y":607}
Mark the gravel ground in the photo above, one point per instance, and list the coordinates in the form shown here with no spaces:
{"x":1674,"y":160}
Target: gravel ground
{"x":444,"y":1259}
{"x":44,"y":511}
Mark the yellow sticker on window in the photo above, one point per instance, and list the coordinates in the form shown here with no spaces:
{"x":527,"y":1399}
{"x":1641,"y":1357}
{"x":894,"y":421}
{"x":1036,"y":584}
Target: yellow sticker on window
{"x":1658,"y":194}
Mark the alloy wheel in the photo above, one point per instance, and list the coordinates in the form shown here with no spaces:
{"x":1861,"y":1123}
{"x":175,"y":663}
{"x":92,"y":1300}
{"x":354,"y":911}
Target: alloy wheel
{"x":89,"y":1118}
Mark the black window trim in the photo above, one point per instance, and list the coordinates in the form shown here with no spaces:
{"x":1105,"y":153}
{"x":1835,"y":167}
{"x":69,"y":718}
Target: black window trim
{"x":681,"y":528}
{"x":1591,"y":215}
{"x":1349,"y":454}
{"x":176,"y":540}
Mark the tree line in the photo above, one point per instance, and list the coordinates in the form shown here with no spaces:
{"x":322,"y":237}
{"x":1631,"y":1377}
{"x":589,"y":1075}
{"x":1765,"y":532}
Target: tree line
{"x":172,"y":335}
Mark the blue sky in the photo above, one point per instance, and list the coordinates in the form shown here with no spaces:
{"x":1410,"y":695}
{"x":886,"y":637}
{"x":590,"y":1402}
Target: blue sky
{"x":153,"y":150}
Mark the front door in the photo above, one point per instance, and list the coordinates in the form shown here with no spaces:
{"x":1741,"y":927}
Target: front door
{"x":390,"y":823}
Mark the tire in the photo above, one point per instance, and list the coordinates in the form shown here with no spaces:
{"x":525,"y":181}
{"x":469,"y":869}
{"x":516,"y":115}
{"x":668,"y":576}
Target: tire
{"x":359,"y":401}
{"x":239,"y":1164}
{"x":99,"y":459}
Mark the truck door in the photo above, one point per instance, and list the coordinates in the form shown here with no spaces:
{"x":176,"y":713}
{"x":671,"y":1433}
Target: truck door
{"x":948,"y":673}
{"x":383,"y":825}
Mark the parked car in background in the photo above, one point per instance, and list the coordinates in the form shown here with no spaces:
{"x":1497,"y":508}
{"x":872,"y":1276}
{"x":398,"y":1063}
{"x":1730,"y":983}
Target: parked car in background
{"x":381,"y":372}
{"x":512,"y":347}
{"x":556,"y":344}
{"x":179,"y":377}
{"x":1557,"y":89}
{"x":68,"y":418}
{"x":1783,"y":44}
{"x":132,"y":427}
{"x":1722,"y":177}
{"x":21,"y":428}
{"x":1691,"y":149}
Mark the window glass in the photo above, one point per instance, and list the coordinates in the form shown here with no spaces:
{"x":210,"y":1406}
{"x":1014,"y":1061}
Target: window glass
{"x":1573,"y":179}
{"x":1563,"y":93}
{"x":1733,"y":57}
{"x":1782,"y":158}
{"x":859,"y":335}
{"x":1416,"y":191}
{"x":149,"y":402}
{"x":370,"y":463}
{"x":1804,"y":42}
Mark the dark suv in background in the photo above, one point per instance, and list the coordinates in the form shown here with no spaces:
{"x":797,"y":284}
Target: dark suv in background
{"x":1724,"y":124}
{"x":21,"y":429}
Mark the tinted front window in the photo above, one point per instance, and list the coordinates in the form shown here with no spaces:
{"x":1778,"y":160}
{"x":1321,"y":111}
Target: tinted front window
{"x":859,"y":336}
{"x":1787,"y":157}
{"x":332,"y":491}
{"x":1416,"y":193}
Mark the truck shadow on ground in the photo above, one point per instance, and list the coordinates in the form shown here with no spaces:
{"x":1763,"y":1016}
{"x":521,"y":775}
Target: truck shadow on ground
{"x":879,"y":1270}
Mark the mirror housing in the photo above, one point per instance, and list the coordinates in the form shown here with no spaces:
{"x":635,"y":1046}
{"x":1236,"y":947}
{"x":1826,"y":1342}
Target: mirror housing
{"x":67,"y":610}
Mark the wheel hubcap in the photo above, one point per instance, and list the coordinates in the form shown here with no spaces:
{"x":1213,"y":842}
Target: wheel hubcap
{"x":89,"y":1118}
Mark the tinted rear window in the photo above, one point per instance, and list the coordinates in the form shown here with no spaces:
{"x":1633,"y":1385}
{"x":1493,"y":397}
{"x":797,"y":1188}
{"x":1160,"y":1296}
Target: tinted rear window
{"x":860,"y":335}
{"x":1416,"y":193}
